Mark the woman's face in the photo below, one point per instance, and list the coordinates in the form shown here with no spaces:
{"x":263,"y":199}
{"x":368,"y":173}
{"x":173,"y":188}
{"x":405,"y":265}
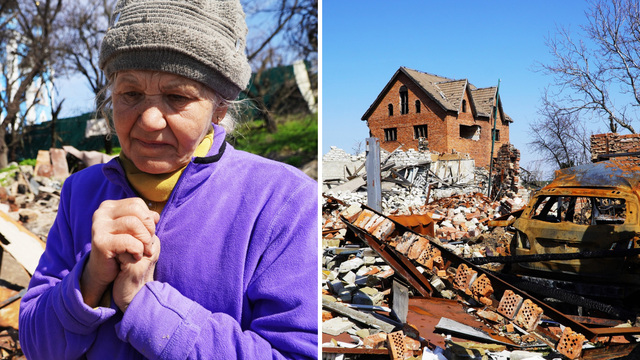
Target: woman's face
{"x":160,"y":118}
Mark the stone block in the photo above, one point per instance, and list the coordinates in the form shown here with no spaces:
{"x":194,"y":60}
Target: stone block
{"x":352,"y":264}
{"x":336,"y":326}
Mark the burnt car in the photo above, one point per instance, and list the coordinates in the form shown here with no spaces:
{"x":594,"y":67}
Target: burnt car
{"x":585,"y":209}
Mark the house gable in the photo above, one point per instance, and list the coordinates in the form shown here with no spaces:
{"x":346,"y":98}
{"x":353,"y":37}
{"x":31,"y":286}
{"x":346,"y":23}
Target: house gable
{"x":452,"y":115}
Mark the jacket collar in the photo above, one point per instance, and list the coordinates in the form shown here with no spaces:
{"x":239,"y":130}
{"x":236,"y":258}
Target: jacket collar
{"x":114,"y":172}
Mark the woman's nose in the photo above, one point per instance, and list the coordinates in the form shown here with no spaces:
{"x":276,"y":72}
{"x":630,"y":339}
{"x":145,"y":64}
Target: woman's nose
{"x":152,"y":116}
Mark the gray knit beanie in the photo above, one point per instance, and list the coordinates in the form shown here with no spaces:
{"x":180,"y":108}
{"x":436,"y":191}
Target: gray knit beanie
{"x":203,"y":40}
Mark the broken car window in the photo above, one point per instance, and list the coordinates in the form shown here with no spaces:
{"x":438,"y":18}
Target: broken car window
{"x":580,"y":210}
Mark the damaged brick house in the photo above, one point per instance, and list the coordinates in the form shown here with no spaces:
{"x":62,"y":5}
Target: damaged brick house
{"x":452,"y":115}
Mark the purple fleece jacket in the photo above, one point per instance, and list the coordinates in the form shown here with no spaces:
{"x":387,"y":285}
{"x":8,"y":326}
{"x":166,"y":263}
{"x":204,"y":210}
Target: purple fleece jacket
{"x":236,"y":277}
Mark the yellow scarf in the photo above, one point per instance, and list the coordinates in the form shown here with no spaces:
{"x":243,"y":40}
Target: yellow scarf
{"x":155,"y":189}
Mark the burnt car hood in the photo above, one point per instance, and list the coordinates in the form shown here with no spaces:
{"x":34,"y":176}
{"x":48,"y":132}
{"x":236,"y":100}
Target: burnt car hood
{"x":608,"y":174}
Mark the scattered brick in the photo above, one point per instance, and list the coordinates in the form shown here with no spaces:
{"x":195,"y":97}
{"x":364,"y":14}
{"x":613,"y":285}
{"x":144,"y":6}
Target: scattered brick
{"x":510,"y":304}
{"x":395,"y":342}
{"x":417,"y":248}
{"x":570,"y":344}
{"x":528,"y":316}
{"x":375,"y":341}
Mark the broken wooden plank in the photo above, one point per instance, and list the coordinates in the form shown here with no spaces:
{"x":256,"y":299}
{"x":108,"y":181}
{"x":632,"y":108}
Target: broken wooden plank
{"x":23,"y":245}
{"x":358,"y":316}
{"x":352,"y":185}
{"x":9,"y":314}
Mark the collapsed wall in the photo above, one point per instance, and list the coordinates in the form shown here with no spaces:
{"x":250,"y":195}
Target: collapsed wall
{"x":414,"y":178}
{"x":506,"y":170}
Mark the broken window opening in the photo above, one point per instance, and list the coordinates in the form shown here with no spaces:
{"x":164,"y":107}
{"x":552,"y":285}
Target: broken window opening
{"x":580,"y":210}
{"x":391,"y":134}
{"x":404,"y":100}
{"x":470,"y":132}
{"x":420,"y":131}
{"x":390,"y":110}
{"x":464,"y":106}
{"x":417,"y":106}
{"x":496,"y":134}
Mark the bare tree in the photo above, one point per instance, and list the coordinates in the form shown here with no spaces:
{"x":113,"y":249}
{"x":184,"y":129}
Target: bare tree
{"x":605,"y":56}
{"x":533,"y":173}
{"x":286,"y":27}
{"x":358,"y":147}
{"x":85,"y":24}
{"x":560,"y":138}
{"x":27,"y":51}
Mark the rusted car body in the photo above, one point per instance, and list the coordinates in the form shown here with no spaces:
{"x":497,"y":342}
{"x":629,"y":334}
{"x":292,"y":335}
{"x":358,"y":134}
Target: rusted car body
{"x":584,"y":209}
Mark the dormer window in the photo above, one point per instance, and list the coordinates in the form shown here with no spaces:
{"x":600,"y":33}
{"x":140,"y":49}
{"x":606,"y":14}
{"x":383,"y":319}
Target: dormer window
{"x":404,"y":100}
{"x":464,"y":106}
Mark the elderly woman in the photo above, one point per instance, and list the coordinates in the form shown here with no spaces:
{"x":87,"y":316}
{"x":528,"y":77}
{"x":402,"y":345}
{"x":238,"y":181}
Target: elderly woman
{"x":182,"y":247}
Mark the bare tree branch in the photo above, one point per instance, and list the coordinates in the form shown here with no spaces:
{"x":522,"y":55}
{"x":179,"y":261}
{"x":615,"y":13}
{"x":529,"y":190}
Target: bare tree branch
{"x":560,"y":139}
{"x":606,"y":56}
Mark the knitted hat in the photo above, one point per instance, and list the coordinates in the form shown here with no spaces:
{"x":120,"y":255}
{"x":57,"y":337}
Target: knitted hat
{"x":203,"y":40}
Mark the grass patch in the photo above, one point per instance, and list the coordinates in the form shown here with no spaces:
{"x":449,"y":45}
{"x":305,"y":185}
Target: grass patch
{"x":114,"y":151}
{"x":31,"y":162}
{"x":295,"y":142}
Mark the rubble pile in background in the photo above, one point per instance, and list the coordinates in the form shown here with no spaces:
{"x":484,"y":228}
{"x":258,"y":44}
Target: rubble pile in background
{"x":411,"y":179}
{"x":30,"y":199}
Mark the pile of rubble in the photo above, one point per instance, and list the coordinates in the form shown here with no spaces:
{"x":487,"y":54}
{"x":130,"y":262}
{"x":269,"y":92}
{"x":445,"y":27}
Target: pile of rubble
{"x":402,"y":283}
{"x":411,"y":179}
{"x":367,"y":309}
{"x":29,"y":199}
{"x":460,"y":222}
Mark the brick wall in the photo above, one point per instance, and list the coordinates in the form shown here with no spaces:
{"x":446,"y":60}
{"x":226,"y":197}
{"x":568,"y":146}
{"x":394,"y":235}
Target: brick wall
{"x":443,"y":126}
{"x":613,"y":143}
{"x":431,"y":114}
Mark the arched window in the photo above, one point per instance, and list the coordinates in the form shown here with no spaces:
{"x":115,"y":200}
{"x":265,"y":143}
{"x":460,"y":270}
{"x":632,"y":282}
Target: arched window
{"x":404,"y":100}
{"x":464,"y":105}
{"x":390,"y":110}
{"x":417,"y":106}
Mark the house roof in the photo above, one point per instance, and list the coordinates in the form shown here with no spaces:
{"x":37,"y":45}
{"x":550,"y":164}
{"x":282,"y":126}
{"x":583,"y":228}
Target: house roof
{"x":446,"y":92}
{"x":483,"y":100}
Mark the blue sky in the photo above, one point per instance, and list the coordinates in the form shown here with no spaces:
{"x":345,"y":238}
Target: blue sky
{"x":365,"y":42}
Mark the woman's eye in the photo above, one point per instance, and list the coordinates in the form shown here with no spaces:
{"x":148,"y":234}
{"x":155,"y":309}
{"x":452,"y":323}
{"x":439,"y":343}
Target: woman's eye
{"x":131,"y":94}
{"x":178,"y":98}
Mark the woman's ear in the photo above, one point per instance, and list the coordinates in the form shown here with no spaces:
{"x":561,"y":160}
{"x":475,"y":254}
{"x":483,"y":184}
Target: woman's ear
{"x":219,"y":113}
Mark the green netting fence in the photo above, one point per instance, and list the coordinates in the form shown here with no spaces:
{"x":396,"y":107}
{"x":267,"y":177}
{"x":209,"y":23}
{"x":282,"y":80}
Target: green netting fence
{"x":68,"y":131}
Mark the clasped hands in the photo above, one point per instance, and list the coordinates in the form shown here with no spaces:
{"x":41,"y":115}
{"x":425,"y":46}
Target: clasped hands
{"x":124,"y":251}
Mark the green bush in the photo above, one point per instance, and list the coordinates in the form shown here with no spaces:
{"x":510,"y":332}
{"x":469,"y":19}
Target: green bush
{"x":295,"y":142}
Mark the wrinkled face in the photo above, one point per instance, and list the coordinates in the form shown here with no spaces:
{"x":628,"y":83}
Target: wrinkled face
{"x":160,"y":118}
